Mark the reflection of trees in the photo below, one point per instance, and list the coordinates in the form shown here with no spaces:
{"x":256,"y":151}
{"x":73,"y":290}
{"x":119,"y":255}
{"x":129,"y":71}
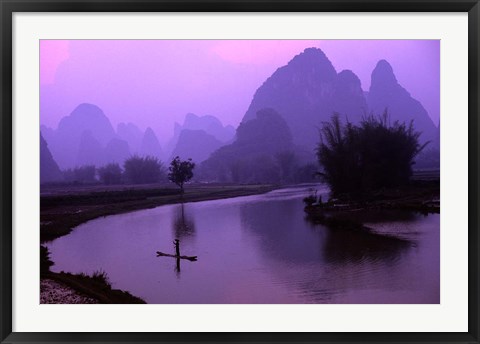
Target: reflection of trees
{"x":358,"y":245}
{"x":381,"y":215}
{"x":276,"y":227}
{"x":282,"y":232}
{"x":183,"y":225}
{"x":318,"y":262}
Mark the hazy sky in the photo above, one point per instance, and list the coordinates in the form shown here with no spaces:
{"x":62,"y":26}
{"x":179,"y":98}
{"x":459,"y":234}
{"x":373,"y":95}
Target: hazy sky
{"x":156,"y":82}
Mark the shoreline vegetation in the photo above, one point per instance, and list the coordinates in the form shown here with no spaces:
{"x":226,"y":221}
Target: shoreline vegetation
{"x":369,"y":167}
{"x":63,"y":208}
{"x":346,"y":211}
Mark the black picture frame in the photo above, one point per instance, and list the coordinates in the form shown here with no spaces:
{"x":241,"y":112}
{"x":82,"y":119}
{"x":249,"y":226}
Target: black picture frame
{"x":8,"y":7}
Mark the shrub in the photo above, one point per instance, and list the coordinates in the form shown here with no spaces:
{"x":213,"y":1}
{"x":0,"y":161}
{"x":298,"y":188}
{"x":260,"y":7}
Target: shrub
{"x":367,"y":157}
{"x":143,"y":170}
{"x":309,"y":200}
{"x":101,"y":277}
{"x":110,"y":174}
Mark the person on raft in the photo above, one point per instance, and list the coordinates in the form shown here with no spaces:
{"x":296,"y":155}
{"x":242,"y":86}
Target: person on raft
{"x":176,"y":244}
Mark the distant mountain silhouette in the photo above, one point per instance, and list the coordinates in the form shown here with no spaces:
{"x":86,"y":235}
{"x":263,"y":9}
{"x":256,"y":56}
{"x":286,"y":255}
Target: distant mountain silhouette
{"x":251,"y":158}
{"x":47,"y":133}
{"x":87,"y":117}
{"x":209,"y":124}
{"x":284,"y":116}
{"x":90,"y":151}
{"x":268,"y":132}
{"x":348,"y":97}
{"x":302,"y":91}
{"x":64,"y":142}
{"x":132,"y":134}
{"x":195,"y":144}
{"x":150,"y":145}
{"x":116,"y":151}
{"x":49,"y":171}
{"x":386,"y":93}
{"x":308,"y":91}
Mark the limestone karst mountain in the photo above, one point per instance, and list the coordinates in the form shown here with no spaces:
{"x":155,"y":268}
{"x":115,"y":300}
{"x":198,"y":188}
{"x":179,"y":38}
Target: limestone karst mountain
{"x":90,"y":150}
{"x":195,"y":144}
{"x":308,"y":91}
{"x":132,"y":134}
{"x":86,"y":137}
{"x":86,"y":117}
{"x":65,"y":141}
{"x":116,"y":151}
{"x":150,"y":145}
{"x":252,"y":156}
{"x":386,"y":93}
{"x":209,"y":124}
{"x":348,"y":98}
{"x":49,"y":171}
{"x":300,"y":96}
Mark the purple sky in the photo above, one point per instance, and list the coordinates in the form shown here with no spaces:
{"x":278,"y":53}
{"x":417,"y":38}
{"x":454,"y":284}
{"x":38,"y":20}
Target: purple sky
{"x":156,"y":82}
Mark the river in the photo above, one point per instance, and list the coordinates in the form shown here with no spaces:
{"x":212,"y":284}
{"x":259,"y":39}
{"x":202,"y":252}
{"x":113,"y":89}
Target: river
{"x":258,"y":249}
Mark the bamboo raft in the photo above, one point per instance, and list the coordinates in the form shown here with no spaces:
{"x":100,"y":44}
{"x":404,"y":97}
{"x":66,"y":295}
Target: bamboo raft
{"x":190,"y":258}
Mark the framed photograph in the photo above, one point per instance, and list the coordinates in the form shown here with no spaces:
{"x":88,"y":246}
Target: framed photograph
{"x":239,"y":172}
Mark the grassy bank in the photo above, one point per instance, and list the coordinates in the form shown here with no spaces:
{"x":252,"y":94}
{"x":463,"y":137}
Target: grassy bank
{"x":64,"y":209}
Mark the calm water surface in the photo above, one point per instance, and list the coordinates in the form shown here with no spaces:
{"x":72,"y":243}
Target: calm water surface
{"x":258,"y":249}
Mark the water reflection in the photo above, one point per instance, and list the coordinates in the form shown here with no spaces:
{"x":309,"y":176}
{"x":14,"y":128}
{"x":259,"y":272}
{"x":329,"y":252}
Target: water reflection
{"x":177,"y":267}
{"x":257,"y":249}
{"x":278,"y":231}
{"x":324,"y":265}
{"x":183,"y":225}
{"x":380,"y":215}
{"x":342,"y":246}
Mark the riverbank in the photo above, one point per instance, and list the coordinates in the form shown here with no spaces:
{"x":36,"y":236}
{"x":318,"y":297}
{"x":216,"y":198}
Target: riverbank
{"x":54,"y":292}
{"x":348,"y":212}
{"x":63,"y":209}
{"x":67,"y":288}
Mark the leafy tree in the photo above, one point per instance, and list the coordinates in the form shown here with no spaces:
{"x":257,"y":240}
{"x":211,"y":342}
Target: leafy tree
{"x":367,"y":157}
{"x":110,"y":174}
{"x":143,"y":170}
{"x":181,"y":171}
